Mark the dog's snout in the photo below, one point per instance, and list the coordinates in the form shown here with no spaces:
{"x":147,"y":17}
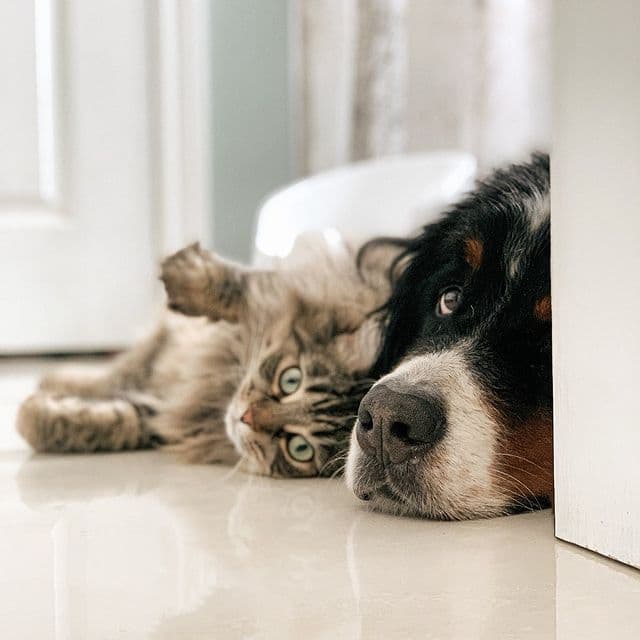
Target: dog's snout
{"x":395,"y":424}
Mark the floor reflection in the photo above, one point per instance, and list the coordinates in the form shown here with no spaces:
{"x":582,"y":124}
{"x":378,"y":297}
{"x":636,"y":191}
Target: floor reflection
{"x":137,"y":546}
{"x":143,"y":548}
{"x":279,"y":554}
{"x":455,"y":580}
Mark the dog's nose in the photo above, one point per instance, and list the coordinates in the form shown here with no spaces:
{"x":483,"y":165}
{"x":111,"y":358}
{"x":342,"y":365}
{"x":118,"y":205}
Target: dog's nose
{"x":397,"y":423}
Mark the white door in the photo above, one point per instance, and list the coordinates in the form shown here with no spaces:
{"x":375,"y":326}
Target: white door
{"x":596,"y":275}
{"x":91,"y":152}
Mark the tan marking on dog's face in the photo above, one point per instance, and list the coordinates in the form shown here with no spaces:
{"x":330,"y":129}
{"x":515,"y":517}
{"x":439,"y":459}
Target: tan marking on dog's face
{"x":524,"y":460}
{"x":542,"y":309}
{"x":473,"y":252}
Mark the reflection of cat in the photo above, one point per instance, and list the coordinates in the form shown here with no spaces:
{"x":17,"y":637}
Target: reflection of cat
{"x":278,"y":365}
{"x":228,"y":556}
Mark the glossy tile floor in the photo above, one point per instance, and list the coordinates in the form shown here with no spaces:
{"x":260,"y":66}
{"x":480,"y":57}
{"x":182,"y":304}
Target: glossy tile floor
{"x":136,"y":546}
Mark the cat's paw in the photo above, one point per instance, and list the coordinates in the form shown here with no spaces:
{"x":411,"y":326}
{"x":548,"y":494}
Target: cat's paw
{"x":187,"y":280}
{"x":29,"y":420}
{"x":199,"y":283}
{"x":46,"y":421}
{"x":60,"y":424}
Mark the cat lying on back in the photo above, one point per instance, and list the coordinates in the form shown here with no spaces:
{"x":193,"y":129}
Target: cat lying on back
{"x":270,"y":376}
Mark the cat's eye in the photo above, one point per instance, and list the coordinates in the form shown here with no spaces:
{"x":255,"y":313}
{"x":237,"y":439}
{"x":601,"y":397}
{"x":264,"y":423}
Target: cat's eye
{"x":449,"y":301}
{"x":300,"y":449}
{"x":290,"y":380}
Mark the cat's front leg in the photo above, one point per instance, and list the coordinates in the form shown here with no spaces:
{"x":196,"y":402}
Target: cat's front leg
{"x":198,"y":283}
{"x":73,"y":424}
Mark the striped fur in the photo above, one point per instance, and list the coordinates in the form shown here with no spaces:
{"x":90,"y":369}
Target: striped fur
{"x":186,"y":387}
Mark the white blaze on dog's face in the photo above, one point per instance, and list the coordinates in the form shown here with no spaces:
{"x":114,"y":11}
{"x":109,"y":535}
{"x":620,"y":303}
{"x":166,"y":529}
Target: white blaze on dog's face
{"x":454,"y":478}
{"x":460,"y":426}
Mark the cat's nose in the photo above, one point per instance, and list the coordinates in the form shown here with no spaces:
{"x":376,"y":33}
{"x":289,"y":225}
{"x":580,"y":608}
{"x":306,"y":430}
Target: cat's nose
{"x":397,"y":423}
{"x":247,"y":417}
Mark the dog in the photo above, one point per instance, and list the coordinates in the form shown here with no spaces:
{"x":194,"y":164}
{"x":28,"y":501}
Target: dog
{"x":459,"y":423}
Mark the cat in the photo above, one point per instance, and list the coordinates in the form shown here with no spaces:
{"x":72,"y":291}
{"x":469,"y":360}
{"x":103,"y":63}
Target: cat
{"x":260,"y":368}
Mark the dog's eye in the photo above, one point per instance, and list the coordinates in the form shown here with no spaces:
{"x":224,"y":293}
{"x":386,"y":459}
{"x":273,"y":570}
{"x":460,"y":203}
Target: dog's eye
{"x":449,"y":301}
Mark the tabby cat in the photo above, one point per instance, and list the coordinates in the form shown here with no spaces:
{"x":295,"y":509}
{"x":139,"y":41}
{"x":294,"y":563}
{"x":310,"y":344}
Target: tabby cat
{"x":269,"y":376}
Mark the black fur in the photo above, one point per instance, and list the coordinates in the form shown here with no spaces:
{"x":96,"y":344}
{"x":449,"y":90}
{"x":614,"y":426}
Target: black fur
{"x":513,"y":356}
{"x":489,"y":359}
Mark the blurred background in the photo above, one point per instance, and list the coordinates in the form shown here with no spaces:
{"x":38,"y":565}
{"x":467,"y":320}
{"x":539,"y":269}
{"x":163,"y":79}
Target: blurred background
{"x":132,"y":127}
{"x":302,"y":86}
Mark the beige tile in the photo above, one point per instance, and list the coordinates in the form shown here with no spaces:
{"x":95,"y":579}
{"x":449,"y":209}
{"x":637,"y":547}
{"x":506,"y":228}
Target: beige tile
{"x":135,"y":546}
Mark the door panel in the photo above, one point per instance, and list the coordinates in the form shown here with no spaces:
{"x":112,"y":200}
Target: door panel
{"x":19,"y":172}
{"x":76,"y":227}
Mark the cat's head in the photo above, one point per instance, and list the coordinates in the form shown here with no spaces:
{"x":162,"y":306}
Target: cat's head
{"x":304,"y":377}
{"x":308,"y":342}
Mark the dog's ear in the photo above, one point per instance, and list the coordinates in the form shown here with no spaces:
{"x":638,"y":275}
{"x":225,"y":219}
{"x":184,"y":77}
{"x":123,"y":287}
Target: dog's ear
{"x":199,"y":283}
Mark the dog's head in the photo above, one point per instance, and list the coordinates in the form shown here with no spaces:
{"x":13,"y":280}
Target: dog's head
{"x":460,"y":423}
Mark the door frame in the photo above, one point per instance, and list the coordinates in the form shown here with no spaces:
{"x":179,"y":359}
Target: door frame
{"x":180,"y":81}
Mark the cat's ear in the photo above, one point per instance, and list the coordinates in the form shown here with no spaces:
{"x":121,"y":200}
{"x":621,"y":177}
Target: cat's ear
{"x":357,"y":350}
{"x":379,"y":262}
{"x":199,"y":283}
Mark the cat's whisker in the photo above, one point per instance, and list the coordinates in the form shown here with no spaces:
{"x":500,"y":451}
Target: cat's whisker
{"x":234,"y":469}
{"x":339,"y":471}
{"x":341,"y":456}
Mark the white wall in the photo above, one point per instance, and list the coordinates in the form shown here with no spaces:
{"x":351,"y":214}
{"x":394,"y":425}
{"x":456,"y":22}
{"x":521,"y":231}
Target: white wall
{"x":252,"y":128}
{"x":596,"y":275}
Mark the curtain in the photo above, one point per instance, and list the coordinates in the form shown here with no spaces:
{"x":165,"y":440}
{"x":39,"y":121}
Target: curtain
{"x":377,"y":77}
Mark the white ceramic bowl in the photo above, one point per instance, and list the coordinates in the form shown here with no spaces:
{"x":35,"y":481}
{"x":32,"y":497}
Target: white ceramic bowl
{"x":387,"y":196}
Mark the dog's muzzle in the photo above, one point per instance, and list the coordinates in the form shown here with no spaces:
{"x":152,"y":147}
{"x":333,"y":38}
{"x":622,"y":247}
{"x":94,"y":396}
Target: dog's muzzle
{"x":399,"y":422}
